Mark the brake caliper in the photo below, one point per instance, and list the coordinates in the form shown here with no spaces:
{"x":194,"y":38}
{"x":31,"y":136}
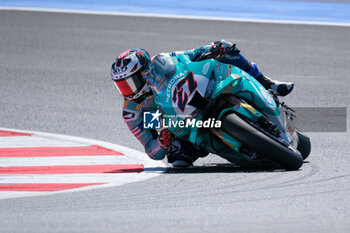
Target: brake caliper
{"x":268,"y":126}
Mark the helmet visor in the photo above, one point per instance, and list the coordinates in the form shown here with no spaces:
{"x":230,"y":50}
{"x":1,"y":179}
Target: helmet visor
{"x":130,"y":86}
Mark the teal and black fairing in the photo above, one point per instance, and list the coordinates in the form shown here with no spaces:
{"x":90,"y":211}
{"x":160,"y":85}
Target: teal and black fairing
{"x":227,"y":80}
{"x":158,"y":75}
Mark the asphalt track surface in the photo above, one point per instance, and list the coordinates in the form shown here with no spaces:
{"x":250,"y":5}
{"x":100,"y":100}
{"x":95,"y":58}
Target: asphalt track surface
{"x":54,"y":74}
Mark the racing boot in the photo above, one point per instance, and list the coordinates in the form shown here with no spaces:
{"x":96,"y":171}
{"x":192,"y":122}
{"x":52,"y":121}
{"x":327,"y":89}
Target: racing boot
{"x":183,"y":154}
{"x":281,"y":88}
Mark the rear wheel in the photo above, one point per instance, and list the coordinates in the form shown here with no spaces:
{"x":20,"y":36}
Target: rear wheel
{"x":260,"y":143}
{"x":304,"y":145}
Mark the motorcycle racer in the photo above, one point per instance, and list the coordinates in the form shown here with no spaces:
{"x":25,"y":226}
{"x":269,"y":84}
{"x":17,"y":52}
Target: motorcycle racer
{"x":134,"y":71}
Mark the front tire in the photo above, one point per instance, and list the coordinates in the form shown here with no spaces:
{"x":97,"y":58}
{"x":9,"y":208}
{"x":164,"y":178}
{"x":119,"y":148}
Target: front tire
{"x":260,"y":143}
{"x":304,"y":145}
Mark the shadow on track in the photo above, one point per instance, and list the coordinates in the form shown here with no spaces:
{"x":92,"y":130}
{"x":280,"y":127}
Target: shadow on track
{"x":220,"y":168}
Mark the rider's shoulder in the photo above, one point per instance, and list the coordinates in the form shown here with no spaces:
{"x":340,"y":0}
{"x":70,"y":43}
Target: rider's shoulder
{"x":161,"y":56}
{"x":163,"y":63}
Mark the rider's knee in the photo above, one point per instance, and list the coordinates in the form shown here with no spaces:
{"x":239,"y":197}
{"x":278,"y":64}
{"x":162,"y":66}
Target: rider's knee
{"x":254,"y":70}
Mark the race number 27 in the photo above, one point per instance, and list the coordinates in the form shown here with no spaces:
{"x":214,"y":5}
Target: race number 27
{"x":180,"y":95}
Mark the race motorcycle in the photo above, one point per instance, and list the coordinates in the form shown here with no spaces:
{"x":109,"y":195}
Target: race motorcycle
{"x":255,"y":125}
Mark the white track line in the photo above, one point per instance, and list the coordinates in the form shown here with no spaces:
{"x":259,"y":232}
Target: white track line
{"x":66,"y":160}
{"x":68,"y":178}
{"x":177,"y":16}
{"x":36,"y":141}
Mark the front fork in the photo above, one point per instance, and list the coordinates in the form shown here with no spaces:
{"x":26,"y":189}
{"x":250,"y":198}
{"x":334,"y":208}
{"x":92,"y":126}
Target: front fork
{"x":229,"y":103}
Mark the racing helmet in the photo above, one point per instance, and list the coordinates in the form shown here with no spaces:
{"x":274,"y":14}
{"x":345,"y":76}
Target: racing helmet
{"x":127,"y":73}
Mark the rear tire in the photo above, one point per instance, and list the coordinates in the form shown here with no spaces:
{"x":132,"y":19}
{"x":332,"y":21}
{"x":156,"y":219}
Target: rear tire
{"x":304,"y":145}
{"x":261,"y":143}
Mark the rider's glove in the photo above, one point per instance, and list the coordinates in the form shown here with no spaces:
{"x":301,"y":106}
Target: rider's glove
{"x":165,"y":138}
{"x":217,"y":50}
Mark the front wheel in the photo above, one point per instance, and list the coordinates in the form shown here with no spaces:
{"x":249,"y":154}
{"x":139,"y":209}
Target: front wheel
{"x":260,"y":143}
{"x":304,"y":145}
